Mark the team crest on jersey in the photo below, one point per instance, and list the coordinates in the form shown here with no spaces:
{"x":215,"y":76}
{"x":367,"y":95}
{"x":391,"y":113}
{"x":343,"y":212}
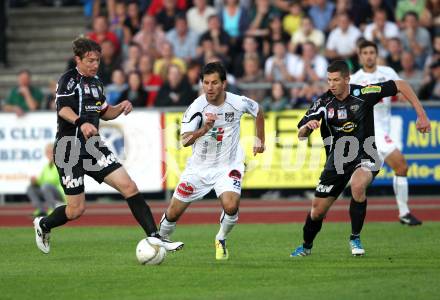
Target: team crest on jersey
{"x":70,"y":84}
{"x":86,"y":89}
{"x":331,"y":112}
{"x":95,"y":92}
{"x":342,"y":114}
{"x":354,"y":108}
{"x":356,"y":92}
{"x":229,"y":116}
{"x":371,"y":89}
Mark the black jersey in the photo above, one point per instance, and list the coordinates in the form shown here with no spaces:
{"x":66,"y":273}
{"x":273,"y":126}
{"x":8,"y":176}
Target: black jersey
{"x":84,"y":95}
{"x":352,"y":116}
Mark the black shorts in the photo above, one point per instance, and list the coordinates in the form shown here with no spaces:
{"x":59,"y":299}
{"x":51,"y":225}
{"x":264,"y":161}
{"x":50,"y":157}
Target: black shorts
{"x":332,"y":184}
{"x":72,"y":179}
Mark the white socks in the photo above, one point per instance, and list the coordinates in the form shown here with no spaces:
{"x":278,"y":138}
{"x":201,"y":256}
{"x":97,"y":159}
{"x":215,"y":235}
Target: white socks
{"x":227,"y":222}
{"x":166,"y":227}
{"x":400,"y":185}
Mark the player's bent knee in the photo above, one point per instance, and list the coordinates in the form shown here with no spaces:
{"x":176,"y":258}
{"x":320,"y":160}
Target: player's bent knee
{"x":128,"y":188}
{"x":74,"y":212}
{"x":230,"y":209}
{"x":318,"y":214}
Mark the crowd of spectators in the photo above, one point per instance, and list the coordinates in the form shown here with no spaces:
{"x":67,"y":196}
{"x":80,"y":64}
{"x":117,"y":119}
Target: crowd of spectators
{"x":275,"y":51}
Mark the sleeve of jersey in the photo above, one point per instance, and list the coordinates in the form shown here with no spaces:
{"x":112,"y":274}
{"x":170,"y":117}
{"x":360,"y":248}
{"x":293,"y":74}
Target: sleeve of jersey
{"x":65,"y":94}
{"x":250,"y":106}
{"x":375,"y":92}
{"x":192,"y":120}
{"x":315,"y":112}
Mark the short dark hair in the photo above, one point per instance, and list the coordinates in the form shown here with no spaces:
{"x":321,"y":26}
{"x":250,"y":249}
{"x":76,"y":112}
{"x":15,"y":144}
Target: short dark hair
{"x":83,"y":45}
{"x":339,"y":66}
{"x":366,"y":44}
{"x":410,"y":13}
{"x":214,"y":67}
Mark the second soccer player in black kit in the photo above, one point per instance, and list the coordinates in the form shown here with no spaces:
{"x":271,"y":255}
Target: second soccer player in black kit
{"x":347,"y":128}
{"x":79,"y":151}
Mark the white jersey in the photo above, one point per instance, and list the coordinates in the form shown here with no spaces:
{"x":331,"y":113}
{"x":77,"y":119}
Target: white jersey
{"x":220,"y":145}
{"x":382,"y":110}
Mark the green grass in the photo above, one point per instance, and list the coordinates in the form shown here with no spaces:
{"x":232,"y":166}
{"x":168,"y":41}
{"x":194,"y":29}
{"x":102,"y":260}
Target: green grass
{"x":100,"y":263}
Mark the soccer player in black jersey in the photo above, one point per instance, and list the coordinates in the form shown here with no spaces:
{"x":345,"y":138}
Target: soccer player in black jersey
{"x":80,"y":103}
{"x":345,"y":115}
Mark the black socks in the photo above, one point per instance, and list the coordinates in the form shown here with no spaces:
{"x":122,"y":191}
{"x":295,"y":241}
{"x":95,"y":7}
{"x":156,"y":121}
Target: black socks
{"x":142,"y":213}
{"x":310,"y":229}
{"x":56,"y":218}
{"x":358,"y":211}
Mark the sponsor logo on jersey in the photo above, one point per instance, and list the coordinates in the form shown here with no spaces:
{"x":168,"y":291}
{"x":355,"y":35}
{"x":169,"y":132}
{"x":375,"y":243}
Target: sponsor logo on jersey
{"x":354,"y":108}
{"x":235,"y":174}
{"x":217,"y":133}
{"x":185,"y":189}
{"x":371,"y":89}
{"x":356,"y":92}
{"x":347,"y":127}
{"x":324,"y":188}
{"x":71,"y":183}
{"x":97,"y":107}
{"x":342,"y":114}
{"x":105,"y":161}
{"x":331,"y":112}
{"x":229,"y":116}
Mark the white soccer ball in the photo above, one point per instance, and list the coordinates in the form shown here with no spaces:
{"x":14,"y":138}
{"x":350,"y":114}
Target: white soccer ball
{"x":148,"y":254}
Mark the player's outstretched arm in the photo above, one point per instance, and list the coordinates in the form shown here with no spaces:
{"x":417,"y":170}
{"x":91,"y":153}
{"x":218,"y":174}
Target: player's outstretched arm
{"x":112,"y":112}
{"x":423,"y":124}
{"x":260,"y":136}
{"x":307,"y":129}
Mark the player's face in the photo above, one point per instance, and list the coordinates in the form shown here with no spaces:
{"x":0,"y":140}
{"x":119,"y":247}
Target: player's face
{"x":88,"y":65}
{"x":213,"y":86}
{"x":337,"y":83}
{"x":368,"y":57}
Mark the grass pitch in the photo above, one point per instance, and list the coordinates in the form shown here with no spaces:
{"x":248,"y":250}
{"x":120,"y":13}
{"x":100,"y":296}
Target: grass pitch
{"x":100,"y":263}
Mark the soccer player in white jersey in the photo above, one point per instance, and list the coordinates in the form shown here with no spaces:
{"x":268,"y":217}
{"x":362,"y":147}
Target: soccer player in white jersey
{"x":211,"y":125}
{"x":388,"y":151}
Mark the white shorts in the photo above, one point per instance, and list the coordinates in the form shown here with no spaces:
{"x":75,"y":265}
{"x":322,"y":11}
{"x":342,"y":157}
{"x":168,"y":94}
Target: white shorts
{"x":385,"y":145}
{"x":195,"y":183}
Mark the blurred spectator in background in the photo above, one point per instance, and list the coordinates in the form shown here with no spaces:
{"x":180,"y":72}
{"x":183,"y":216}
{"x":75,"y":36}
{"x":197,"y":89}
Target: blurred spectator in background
{"x":277,"y":100}
{"x":380,"y":31}
{"x":253,"y":74}
{"x":430,"y":18}
{"x":3,"y":39}
{"x":394,"y":54}
{"x":114,"y":90}
{"x":183,"y":39}
{"x":157,"y":5}
{"x":176,"y":90}
{"x":198,"y":15}
{"x":234,"y":20}
{"x":409,"y":71}
{"x":134,"y":18}
{"x":311,"y":66}
{"x":45,"y":191}
{"x":101,"y":33}
{"x":276,"y":33}
{"x":321,"y":13}
{"x":167,"y":15}
{"x":207,"y":51}
{"x":292,"y":20}
{"x":117,"y":25}
{"x":259,"y":18}
{"x":193,"y":74}
{"x":341,"y":7}
{"x":434,"y":57}
{"x":218,"y":36}
{"x":24,"y":97}
{"x":109,"y":6}
{"x":150,"y":37}
{"x":109,"y":62}
{"x":149,"y":79}
{"x":135,"y":92}
{"x":250,"y":47}
{"x":341,"y":43}
{"x":281,"y":65}
{"x":415,"y":39}
{"x":307,"y":32}
{"x":49,"y":100}
{"x":168,"y":58}
{"x":363,"y":11}
{"x":405,"y":6}
{"x":431,"y":90}
{"x":134,"y":53}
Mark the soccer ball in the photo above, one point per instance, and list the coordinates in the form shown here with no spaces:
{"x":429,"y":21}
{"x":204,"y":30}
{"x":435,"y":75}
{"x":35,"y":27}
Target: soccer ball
{"x":148,"y":254}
